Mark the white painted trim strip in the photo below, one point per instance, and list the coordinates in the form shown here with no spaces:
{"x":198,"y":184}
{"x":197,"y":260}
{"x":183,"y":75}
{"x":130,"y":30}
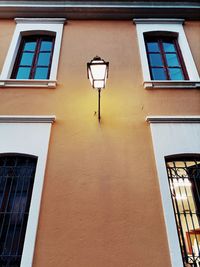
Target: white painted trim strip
{"x":40,"y":20}
{"x":27,"y":119}
{"x":27,"y":83}
{"x":173,"y":119}
{"x":160,"y":21}
{"x":96,"y":4}
{"x":171,"y":84}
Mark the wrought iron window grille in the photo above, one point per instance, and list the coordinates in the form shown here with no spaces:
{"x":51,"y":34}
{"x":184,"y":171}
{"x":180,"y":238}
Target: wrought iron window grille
{"x":184,"y":184}
{"x":16,"y":183}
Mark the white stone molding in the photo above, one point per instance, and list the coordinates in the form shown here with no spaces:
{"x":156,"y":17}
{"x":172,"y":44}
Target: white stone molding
{"x":27,"y":119}
{"x":33,"y":26}
{"x":169,"y":26}
{"x":40,"y":20}
{"x":170,"y":84}
{"x":28,"y":135}
{"x":20,"y":83}
{"x":173,"y":119}
{"x":172,"y":135}
{"x":159,"y":21}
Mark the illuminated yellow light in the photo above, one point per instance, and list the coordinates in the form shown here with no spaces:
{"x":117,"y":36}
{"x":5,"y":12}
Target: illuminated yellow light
{"x":97,"y":72}
{"x":182,"y":182}
{"x":181,"y":197}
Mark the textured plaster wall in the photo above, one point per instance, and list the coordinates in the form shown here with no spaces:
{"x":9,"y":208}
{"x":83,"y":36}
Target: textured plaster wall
{"x":101,"y":203}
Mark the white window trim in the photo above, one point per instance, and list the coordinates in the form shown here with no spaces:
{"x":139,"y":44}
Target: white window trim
{"x":28,"y":135}
{"x":166,"y":25}
{"x":34,"y":25}
{"x":172,"y":135}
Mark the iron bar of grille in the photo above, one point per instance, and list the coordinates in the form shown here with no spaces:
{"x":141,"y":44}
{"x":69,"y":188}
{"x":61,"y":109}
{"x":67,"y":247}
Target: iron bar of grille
{"x":184,"y":182}
{"x":16,"y":184}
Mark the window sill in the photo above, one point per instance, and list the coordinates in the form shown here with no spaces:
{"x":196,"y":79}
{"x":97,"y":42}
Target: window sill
{"x":28,"y":83}
{"x":171,"y":84}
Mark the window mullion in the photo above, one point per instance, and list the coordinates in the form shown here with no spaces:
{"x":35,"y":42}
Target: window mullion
{"x":160,"y":43}
{"x":34,"y":64}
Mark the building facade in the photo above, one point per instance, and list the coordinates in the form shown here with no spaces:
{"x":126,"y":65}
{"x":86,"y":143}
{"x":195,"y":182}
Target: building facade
{"x":122,"y":191}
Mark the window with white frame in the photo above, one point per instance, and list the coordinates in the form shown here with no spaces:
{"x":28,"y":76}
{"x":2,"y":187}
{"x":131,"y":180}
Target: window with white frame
{"x":33,"y":55}
{"x":177,"y":153}
{"x":17,"y":173}
{"x":24,"y":142}
{"x":165,"y":55}
{"x":184,"y":182}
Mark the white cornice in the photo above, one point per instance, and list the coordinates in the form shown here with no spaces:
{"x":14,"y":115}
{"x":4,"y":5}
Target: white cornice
{"x":40,"y":20}
{"x":27,"y":119}
{"x":158,"y":21}
{"x":173,"y":119}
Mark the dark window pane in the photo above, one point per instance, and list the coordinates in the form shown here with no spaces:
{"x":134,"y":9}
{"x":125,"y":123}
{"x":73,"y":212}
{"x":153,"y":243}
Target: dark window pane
{"x":30,"y":46}
{"x":41,"y":73}
{"x":23,"y":73}
{"x":27,"y":59}
{"x":11,"y":161}
{"x":176,"y":74}
{"x":155,"y":60}
{"x":172,"y":60}
{"x":46,"y":46}
{"x":169,"y":47}
{"x":2,"y":162}
{"x":158,"y":74}
{"x":153,"y":47}
{"x":43,"y":59}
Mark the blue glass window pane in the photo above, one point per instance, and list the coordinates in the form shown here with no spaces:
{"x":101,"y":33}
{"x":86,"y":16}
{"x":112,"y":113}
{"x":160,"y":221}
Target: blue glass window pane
{"x":158,"y":74}
{"x":155,"y":60}
{"x":46,"y":46}
{"x":27,"y":59}
{"x":30,"y":46}
{"x":23,"y":73}
{"x":41,"y":73}
{"x":153,"y":47}
{"x":172,"y":60}
{"x":176,"y":74}
{"x":169,"y":47}
{"x":43,"y":59}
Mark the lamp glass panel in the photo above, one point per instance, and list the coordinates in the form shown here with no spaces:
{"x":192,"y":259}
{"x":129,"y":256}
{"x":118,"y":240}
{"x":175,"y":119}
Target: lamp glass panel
{"x":90,"y":76}
{"x":99,"y":84}
{"x":98,"y":70}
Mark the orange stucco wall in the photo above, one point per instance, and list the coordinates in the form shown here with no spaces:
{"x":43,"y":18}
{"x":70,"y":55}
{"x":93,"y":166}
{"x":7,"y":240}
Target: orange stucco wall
{"x":101,"y":202}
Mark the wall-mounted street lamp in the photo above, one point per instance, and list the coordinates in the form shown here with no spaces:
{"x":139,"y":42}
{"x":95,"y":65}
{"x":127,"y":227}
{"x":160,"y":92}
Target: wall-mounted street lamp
{"x":97,"y":71}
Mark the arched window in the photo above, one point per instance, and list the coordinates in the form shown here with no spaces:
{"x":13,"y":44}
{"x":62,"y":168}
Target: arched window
{"x":184,"y":182}
{"x":17,"y":174}
{"x":164,"y":57}
{"x":34,"y":57}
